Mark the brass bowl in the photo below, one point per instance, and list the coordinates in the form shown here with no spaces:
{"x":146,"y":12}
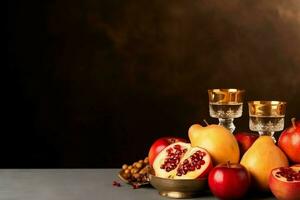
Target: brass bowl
{"x":179,"y":189}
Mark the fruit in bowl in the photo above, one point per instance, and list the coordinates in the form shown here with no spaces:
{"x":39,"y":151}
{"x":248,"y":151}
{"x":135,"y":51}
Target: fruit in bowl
{"x":160,"y":144}
{"x":284,"y":183}
{"x":261,"y":158}
{"x":289,"y":141}
{"x":245,"y":140}
{"x":217,"y":140}
{"x":181,"y":161}
{"x":229,"y":181}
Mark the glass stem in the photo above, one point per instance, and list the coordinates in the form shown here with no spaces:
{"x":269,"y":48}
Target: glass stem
{"x":227,"y":123}
{"x":267,"y":133}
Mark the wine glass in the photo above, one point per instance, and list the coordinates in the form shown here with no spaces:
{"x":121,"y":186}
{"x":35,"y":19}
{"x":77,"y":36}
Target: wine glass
{"x":226,"y":104}
{"x":266,"y":117}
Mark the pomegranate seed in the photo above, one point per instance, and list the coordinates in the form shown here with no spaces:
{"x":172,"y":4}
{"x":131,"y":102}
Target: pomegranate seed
{"x":184,"y":172}
{"x":185,"y":167}
{"x":198,"y":166}
{"x":135,"y":186}
{"x":117,"y":184}
{"x":177,"y":146}
{"x":179,"y":174}
{"x":194,"y":163}
{"x":203,"y":154}
{"x":192,"y":168}
{"x":184,"y":150}
{"x":202,"y":162}
{"x":171,"y":155}
{"x":178,"y":152}
{"x":185,"y":161}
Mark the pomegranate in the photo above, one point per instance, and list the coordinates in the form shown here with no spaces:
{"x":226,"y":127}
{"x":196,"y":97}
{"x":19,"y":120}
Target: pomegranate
{"x":181,"y":161}
{"x":289,"y":142}
{"x":160,"y":144}
{"x":284,"y":183}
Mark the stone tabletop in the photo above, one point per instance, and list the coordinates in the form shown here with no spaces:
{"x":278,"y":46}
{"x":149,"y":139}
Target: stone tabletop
{"x":72,"y":184}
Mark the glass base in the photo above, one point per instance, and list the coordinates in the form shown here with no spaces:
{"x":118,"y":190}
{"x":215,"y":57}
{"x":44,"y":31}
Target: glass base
{"x":227,"y":123}
{"x":267,"y":133}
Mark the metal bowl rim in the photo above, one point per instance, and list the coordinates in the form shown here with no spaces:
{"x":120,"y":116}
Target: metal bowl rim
{"x":178,"y":180}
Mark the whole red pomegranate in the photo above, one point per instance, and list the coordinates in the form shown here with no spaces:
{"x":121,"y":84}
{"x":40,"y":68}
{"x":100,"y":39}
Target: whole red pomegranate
{"x":289,"y":141}
{"x":160,"y":144}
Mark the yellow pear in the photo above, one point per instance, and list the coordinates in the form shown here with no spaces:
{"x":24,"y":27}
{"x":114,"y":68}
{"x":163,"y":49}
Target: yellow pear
{"x":217,"y":140}
{"x":261,"y":158}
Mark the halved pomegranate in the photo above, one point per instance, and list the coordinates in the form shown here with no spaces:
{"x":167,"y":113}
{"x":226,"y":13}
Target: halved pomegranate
{"x":284,"y":183}
{"x":196,"y":163}
{"x":181,"y":161}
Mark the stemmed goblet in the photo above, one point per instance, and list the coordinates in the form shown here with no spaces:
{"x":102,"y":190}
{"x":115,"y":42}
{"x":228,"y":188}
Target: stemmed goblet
{"x":266,"y":117}
{"x":226,"y":104}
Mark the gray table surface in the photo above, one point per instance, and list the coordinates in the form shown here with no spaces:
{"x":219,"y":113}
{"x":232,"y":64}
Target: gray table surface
{"x":71,"y":184}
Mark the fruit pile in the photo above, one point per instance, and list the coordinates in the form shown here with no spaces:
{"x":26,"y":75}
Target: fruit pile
{"x":242,"y":161}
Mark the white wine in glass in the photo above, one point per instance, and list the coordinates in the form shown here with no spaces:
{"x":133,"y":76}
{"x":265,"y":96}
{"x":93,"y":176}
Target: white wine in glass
{"x":226,"y":105}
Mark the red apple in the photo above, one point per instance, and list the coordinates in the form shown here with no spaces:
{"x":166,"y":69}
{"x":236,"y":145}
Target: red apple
{"x":159,"y":145}
{"x":284,"y":182}
{"x":289,"y":141}
{"x":229,"y":181}
{"x":245,"y":140}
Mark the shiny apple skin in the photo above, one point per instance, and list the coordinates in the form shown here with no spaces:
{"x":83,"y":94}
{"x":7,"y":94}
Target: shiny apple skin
{"x":245,"y":140}
{"x":160,"y":144}
{"x":284,"y":190}
{"x":289,"y":142}
{"x":229,"y":182}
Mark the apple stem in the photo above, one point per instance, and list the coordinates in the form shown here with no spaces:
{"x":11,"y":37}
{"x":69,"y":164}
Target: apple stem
{"x":228,"y":163}
{"x":294,"y":122}
{"x":207,"y":124}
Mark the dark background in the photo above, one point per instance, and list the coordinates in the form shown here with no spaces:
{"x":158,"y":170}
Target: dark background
{"x":92,"y":83}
